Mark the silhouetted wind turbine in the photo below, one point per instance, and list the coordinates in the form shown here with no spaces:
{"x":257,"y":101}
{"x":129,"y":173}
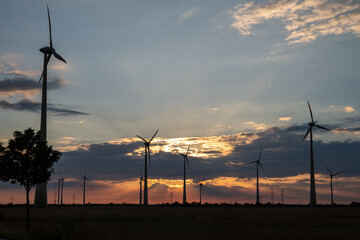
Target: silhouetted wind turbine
{"x":62,"y":189}
{"x":186,"y":161}
{"x":331,"y":185}
{"x":312,"y":174}
{"x":147,"y":152}
{"x":201,"y":190}
{"x":257,"y":176}
{"x":41,"y":189}
{"x":85,"y":178}
{"x":58,"y":200}
{"x":141,"y":180}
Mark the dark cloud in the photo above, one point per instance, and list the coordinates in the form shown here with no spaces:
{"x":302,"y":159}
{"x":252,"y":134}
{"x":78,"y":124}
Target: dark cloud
{"x":27,"y":105}
{"x":283,"y":155}
{"x":159,"y":187}
{"x":352,"y":119}
{"x":25,"y":84}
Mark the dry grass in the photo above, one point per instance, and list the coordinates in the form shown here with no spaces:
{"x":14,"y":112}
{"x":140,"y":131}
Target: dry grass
{"x":155,"y":222}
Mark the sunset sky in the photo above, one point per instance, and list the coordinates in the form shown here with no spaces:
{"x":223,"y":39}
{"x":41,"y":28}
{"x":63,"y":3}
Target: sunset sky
{"x":225,"y":77}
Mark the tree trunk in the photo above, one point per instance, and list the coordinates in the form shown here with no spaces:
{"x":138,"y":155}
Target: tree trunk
{"x":27,"y":210}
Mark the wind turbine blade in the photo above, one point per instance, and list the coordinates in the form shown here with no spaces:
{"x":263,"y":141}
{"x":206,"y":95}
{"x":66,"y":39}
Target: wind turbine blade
{"x":336,"y":173}
{"x":41,"y":77}
{"x":47,"y":62}
{"x":51,"y":45}
{"x":261,"y":166}
{"x":329,"y":171}
{"x":254,"y":161}
{"x":187,"y":151}
{"x":59,"y":57}
{"x":260,"y":154}
{"x":322,"y":127}
{"x":141,"y":138}
{"x":154,"y":135}
{"x":149,"y":155}
{"x":187,"y":161}
{"x":306,"y":134}
{"x":312,"y":119}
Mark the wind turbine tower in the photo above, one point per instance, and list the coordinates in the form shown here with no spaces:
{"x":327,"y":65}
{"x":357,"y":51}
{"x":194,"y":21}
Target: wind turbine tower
{"x":201,"y":190}
{"x":62,"y":189}
{"x":59,"y":182}
{"x":257,"y":177}
{"x":141,"y":180}
{"x":312,"y":174}
{"x":84,"y":190}
{"x":331,"y":184}
{"x":186,"y":161}
{"x":147,"y":153}
{"x":41,"y":189}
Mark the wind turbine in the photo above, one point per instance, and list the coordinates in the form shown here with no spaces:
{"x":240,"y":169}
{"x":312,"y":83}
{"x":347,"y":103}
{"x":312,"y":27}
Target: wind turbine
{"x":257,"y":176}
{"x":58,"y":200}
{"x":312,"y":175}
{"x":62,"y":188}
{"x":147,"y":152}
{"x":201,"y":189}
{"x":186,"y":161}
{"x":331,"y":185}
{"x":41,"y":189}
{"x":141,"y":180}
{"x":85,"y":178}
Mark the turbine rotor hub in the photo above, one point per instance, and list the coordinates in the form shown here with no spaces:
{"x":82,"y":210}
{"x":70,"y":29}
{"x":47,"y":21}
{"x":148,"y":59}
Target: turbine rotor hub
{"x":47,"y":50}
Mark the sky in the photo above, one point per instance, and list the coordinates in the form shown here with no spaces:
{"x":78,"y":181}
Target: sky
{"x":226,"y":78}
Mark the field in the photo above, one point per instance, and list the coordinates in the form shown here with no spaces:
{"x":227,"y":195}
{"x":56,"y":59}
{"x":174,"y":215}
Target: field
{"x":164,"y":222}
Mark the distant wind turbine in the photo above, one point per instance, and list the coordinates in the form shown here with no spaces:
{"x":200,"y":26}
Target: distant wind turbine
{"x":147,"y":152}
{"x":312,"y":174}
{"x":201,"y":190}
{"x":41,"y":189}
{"x":141,"y":180}
{"x":257,"y":177}
{"x":62,"y":189}
{"x":186,"y":161}
{"x":58,"y":200}
{"x":331,"y":183}
{"x":85,"y":179}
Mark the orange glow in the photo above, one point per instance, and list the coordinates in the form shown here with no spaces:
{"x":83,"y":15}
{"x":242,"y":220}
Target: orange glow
{"x":202,"y":147}
{"x":295,"y":187}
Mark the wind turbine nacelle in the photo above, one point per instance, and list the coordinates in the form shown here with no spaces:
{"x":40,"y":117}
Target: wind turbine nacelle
{"x":47,"y":50}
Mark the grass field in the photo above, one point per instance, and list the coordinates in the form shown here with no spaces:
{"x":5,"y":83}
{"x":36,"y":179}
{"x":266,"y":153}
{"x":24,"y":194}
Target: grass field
{"x":157,"y":222}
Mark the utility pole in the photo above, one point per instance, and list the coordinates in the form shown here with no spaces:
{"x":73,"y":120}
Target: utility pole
{"x":272,"y":195}
{"x":282,"y":196}
{"x":73,"y":198}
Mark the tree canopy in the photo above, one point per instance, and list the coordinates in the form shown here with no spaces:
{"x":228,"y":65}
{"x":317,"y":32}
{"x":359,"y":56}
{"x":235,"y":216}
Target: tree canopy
{"x":27,"y":159}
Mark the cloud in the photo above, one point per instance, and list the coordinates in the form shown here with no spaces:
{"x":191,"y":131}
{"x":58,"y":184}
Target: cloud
{"x":28,"y":105}
{"x":10,"y":61}
{"x":349,"y":109}
{"x":285,"y":119}
{"x":22,"y":73}
{"x":352,"y":119}
{"x":346,"y":109}
{"x":305,"y":20}
{"x":257,"y":126}
{"x":26,"y":86}
{"x":188,"y":14}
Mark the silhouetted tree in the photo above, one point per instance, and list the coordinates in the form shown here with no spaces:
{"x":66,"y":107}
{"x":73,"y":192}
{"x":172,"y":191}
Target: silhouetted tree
{"x":27,"y":160}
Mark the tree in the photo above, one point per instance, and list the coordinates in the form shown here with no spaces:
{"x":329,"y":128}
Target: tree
{"x":27,"y":160}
